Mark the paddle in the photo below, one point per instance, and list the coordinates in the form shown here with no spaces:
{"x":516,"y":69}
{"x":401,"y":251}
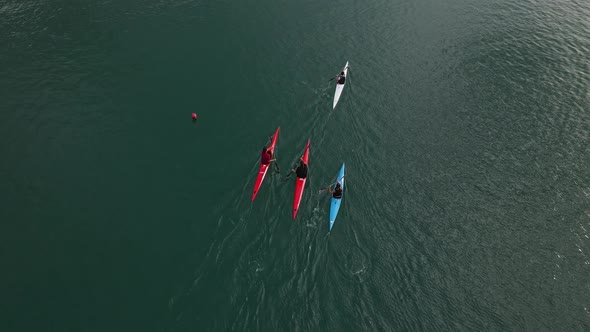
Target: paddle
{"x":288,"y":175}
{"x":331,"y":184}
{"x":274,"y":160}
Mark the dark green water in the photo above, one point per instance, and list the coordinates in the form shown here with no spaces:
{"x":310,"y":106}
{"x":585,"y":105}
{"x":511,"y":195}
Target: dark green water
{"x":464,"y":128}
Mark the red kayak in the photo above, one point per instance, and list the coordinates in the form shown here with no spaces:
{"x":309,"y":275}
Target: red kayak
{"x":300,"y":184}
{"x":264,"y":168}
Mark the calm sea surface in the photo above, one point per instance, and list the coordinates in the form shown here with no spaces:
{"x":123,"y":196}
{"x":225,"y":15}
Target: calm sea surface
{"x":464,"y":127}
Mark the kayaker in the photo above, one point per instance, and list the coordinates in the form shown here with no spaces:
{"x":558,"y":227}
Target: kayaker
{"x":301,"y":170}
{"x":266,"y":156}
{"x":341,"y":78}
{"x":337,"y":192}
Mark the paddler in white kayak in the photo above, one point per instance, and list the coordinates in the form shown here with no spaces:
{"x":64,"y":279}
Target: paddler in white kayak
{"x":340,"y":79}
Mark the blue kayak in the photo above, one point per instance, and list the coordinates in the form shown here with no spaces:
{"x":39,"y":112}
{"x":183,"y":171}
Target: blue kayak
{"x":335,"y":204}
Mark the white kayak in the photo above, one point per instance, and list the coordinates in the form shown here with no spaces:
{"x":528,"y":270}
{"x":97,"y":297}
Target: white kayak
{"x":340,"y":87}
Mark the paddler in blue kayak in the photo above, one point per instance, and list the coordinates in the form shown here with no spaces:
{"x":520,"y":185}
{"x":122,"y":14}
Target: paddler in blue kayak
{"x":337,"y":192}
{"x":301,"y":170}
{"x":266,"y":156}
{"x":340,"y":79}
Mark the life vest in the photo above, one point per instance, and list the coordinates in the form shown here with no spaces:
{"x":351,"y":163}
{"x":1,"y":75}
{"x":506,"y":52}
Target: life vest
{"x":301,"y":171}
{"x":337,"y":193}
